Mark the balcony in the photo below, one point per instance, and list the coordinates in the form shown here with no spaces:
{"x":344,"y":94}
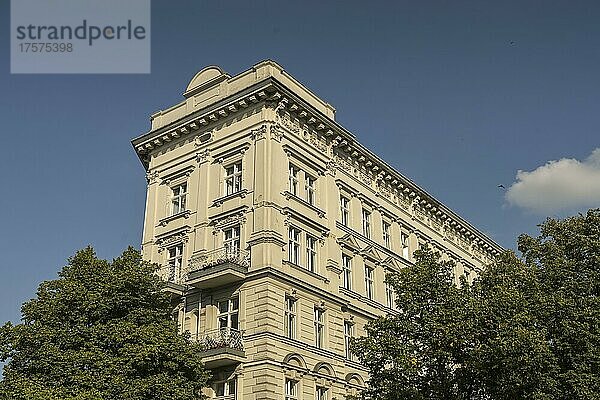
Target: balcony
{"x":224,"y":346}
{"x":218,"y":267}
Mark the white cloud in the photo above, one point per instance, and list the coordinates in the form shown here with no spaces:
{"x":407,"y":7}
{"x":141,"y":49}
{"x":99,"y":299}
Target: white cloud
{"x":563,"y":185}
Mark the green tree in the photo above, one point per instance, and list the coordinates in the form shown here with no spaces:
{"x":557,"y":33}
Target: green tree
{"x":102,"y":330}
{"x":526,"y":328}
{"x":419,"y":352}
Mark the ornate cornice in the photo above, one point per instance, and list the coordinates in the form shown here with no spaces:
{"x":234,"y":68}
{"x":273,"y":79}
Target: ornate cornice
{"x":335,"y":143}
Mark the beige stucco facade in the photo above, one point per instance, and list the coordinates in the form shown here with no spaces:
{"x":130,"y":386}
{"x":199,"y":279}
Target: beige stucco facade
{"x":276,"y":228}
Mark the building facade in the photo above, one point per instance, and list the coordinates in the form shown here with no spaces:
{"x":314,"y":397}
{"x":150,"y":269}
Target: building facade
{"x":275,"y":228}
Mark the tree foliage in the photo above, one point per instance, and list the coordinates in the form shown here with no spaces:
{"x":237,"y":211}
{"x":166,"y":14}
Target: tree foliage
{"x":525,"y":328}
{"x":102,"y":330}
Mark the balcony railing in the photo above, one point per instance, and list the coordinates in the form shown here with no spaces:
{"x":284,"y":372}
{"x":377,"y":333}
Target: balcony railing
{"x":223,"y":255}
{"x":221,"y":339}
{"x":180,"y":274}
{"x":173,"y":274}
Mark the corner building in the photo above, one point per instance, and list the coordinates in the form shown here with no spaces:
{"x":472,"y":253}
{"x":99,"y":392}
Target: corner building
{"x":275,"y":229}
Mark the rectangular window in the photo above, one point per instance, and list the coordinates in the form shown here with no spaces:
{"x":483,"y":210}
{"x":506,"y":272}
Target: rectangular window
{"x":369,"y":282}
{"x":319,"y":327}
{"x":229,"y":314}
{"x":290,"y":317}
{"x":178,"y":199}
{"x":389,"y":296}
{"x":321,"y":393}
{"x":344,"y":210}
{"x":226,"y":388}
{"x":311,"y":253}
{"x":175,"y":262}
{"x":385,"y":227}
{"x":231,"y":241}
{"x":348,"y":334}
{"x":346,"y":272}
{"x":294,"y":246}
{"x":233,"y":178}
{"x":309,"y":188}
{"x":294,"y":172}
{"x":291,"y":389}
{"x":366,"y":221}
{"x":404,"y":242}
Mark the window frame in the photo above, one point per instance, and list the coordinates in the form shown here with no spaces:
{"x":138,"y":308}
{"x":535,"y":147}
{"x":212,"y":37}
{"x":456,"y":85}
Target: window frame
{"x":291,"y":389}
{"x":231,"y":311}
{"x":390,"y":296}
{"x":385,"y":233}
{"x":319,"y":323}
{"x":294,"y":179}
{"x":179,"y":198}
{"x":175,"y":261}
{"x":226,"y":388}
{"x":404,"y":243}
{"x":369,"y":282}
{"x":366,"y":223}
{"x":233,"y":180}
{"x":311,"y":253}
{"x":344,"y":210}
{"x":346,"y":271}
{"x":294,"y":245}
{"x":289,"y":316}
{"x":310,"y":188}
{"x":232,"y":244}
{"x":321,"y":393}
{"x":348,"y":335}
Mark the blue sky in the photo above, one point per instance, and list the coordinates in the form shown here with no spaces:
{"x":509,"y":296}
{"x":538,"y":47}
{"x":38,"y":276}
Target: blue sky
{"x":458,"y":96}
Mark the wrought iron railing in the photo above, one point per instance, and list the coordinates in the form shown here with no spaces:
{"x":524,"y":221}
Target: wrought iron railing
{"x":219,"y":256}
{"x":222,"y":338}
{"x":174,"y":274}
{"x":179,"y":274}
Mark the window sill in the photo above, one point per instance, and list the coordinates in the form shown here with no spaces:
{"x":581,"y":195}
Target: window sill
{"x":360,"y":297}
{"x":166,"y":220}
{"x":301,"y":268}
{"x":241,"y":194}
{"x":289,"y":195}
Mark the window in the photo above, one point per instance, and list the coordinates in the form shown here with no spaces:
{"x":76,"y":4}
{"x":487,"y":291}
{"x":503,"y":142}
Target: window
{"x":294,"y":180}
{"x":233,"y":178}
{"x":311,"y":253}
{"x":228,"y":314}
{"x":178,"y":199}
{"x":319,"y":327}
{"x":321,"y":393}
{"x":389,"y":296}
{"x":369,"y":282}
{"x":291,"y":389}
{"x":348,"y":334}
{"x":346,"y":272}
{"x":294,"y":246}
{"x":385,"y":227}
{"x":404,"y":243}
{"x":290,"y":317}
{"x":175,"y":262}
{"x":344,"y":210}
{"x":226,"y":388}
{"x":366,"y":220}
{"x":231,"y":241}
{"x":309,"y":188}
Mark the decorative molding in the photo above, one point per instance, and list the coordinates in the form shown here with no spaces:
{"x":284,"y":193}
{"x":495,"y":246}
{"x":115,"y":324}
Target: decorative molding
{"x":202,"y":156}
{"x":276,"y":132}
{"x":184,"y":214}
{"x":258,"y":133}
{"x":152,"y":177}
{"x":183,"y":173}
{"x":173,"y":238}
